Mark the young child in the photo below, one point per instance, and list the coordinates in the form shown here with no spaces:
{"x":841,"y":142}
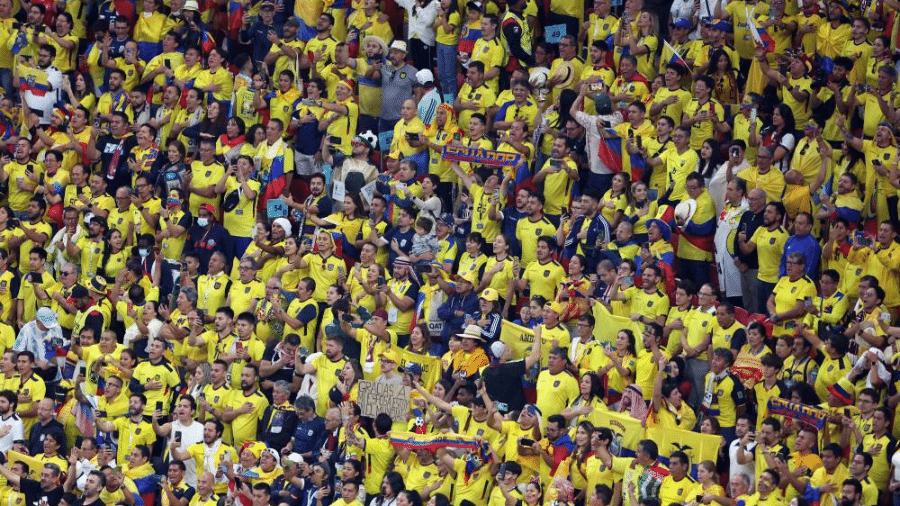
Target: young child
{"x":425,"y":244}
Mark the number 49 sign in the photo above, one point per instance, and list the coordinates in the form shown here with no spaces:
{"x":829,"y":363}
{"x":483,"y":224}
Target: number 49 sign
{"x":553,"y":33}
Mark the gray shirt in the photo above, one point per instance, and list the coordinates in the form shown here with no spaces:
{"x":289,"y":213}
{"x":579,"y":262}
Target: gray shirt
{"x":396,"y":88}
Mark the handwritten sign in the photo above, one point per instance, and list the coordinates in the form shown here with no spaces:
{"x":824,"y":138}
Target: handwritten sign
{"x":808,"y":415}
{"x":376,"y":398}
{"x":479,"y":156}
{"x":276,"y":208}
{"x":554,"y":33}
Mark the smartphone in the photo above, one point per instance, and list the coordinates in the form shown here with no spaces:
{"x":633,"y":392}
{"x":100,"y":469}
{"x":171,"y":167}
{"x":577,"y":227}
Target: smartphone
{"x":239,"y":347}
{"x":627,"y":282}
{"x":159,"y":405}
{"x":501,"y":472}
{"x":167,"y":63}
{"x":652,"y":194}
{"x":347,"y":317}
{"x":177,"y":436}
{"x":333,"y":139}
{"x":102,"y":414}
{"x":859,"y":236}
{"x":639,"y":142}
{"x":596,"y":86}
{"x":526,"y":442}
{"x":381,"y":281}
{"x":373,"y":216}
{"x":412,"y":137}
{"x":807,"y":302}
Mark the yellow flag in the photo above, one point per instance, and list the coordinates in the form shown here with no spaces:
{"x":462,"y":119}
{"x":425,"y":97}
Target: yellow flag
{"x":627,"y":432}
{"x":698,"y":447}
{"x":431,"y":366}
{"x":608,"y":325}
{"x":517,"y":337}
{"x":34,"y":465}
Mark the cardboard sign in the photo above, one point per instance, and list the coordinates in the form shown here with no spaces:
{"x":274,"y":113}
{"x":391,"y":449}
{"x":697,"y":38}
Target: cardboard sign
{"x":553,"y":33}
{"x":480,"y":156}
{"x":808,"y":415}
{"x":376,"y":398}
{"x":338,"y":191}
{"x":276,"y":208}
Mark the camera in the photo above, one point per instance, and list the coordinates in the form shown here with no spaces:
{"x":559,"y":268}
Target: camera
{"x":735,"y":151}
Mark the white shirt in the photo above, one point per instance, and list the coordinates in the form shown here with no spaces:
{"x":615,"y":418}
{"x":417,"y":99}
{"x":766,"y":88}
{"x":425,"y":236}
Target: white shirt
{"x":45,"y":103}
{"x":735,"y":469}
{"x":421,"y":20}
{"x":16,"y":432}
{"x":593,"y":139}
{"x":190,"y":434}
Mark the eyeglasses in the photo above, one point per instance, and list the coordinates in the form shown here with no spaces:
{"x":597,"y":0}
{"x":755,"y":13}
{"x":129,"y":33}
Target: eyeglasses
{"x":705,"y":294}
{"x":66,"y":273}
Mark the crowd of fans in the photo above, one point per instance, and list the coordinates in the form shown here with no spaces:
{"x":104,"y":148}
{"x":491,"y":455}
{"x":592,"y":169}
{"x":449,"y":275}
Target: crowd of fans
{"x":218,"y":218}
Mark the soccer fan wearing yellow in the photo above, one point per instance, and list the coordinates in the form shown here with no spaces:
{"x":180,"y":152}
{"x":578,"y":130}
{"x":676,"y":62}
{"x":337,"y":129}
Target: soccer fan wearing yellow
{"x":326,"y":366}
{"x":795,"y":87}
{"x":22,"y":176}
{"x":534,"y":225}
{"x":203,"y":176}
{"x":475,"y":96}
{"x":648,"y":304}
{"x":489,"y":51}
{"x":678,"y":162}
{"x":245,"y":407}
{"x":557,"y":178}
{"x":704,"y":114}
{"x":671,"y":99}
{"x":209,"y":454}
{"x":155,"y":379}
{"x":133,"y":430}
{"x":483,"y":196}
{"x":542,"y":276}
{"x":880,"y":155}
{"x":768,"y":242}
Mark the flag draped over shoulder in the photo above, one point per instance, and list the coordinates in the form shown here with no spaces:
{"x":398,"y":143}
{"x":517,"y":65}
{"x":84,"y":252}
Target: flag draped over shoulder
{"x":517,"y":337}
{"x":613,"y":154}
{"x":760,"y":35}
{"x":608,"y":325}
{"x":698,"y":447}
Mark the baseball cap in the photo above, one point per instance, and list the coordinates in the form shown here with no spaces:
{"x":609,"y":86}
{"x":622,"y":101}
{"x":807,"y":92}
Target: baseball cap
{"x":424,"y":77}
{"x":47,"y":317}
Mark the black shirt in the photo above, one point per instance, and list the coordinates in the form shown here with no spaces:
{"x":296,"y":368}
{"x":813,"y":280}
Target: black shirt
{"x":112,"y":149}
{"x":34,"y":494}
{"x":95,"y":502}
{"x":503,"y":383}
{"x":749,"y":223}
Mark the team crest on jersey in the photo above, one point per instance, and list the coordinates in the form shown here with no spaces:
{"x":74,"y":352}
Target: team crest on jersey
{"x":650,"y":303}
{"x":537,"y":232}
{"x":217,"y":285}
{"x":402,"y":75}
{"x":546,"y":273}
{"x":556,"y":384}
{"x":772,"y":240}
{"x":793,"y":289}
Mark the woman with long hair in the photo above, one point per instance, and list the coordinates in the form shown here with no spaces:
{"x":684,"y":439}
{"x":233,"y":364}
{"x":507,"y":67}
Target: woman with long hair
{"x":391,"y":485}
{"x":115,"y":254}
{"x":779,"y":137}
{"x":212,"y":126}
{"x":644,"y":44}
{"x":143,"y":331}
{"x":347,"y":385}
{"x":499,"y":272}
{"x":171,"y":175}
{"x":202,"y":376}
{"x":616,"y":200}
{"x":230,"y":143}
{"x":668,"y":404}
{"x":882,"y":56}
{"x":639,"y":211}
{"x":620,"y":370}
{"x":575,"y":465}
{"x":707,"y":489}
{"x":583,"y":408}
{"x":725,"y":88}
{"x":709,"y":159}
{"x":287,"y":267}
{"x":574,"y":290}
{"x":420,"y":340}
{"x":80,"y":91}
{"x":272,"y":249}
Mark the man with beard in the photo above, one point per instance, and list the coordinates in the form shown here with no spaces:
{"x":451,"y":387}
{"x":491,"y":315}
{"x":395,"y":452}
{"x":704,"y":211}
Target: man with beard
{"x":165,"y":113}
{"x":535,"y":226}
{"x":48,"y":490}
{"x":510,"y":217}
{"x":543,"y":275}
{"x":400,"y":295}
{"x":22,"y":176}
{"x":139,"y":431}
{"x":326,"y":367}
{"x":111,"y":151}
{"x":556,"y":179}
{"x":323,"y":45}
{"x":43,"y":103}
{"x":10,"y":424}
{"x":214,"y":395}
{"x":729,"y":219}
{"x":317,"y":204}
{"x":183,"y":428}
{"x":767,"y":242}
{"x":209,"y":454}
{"x":245,"y":407}
{"x":586,"y":231}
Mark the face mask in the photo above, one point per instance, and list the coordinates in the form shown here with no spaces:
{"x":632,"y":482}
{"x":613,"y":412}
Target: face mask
{"x":202,"y":222}
{"x":144,"y":252}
